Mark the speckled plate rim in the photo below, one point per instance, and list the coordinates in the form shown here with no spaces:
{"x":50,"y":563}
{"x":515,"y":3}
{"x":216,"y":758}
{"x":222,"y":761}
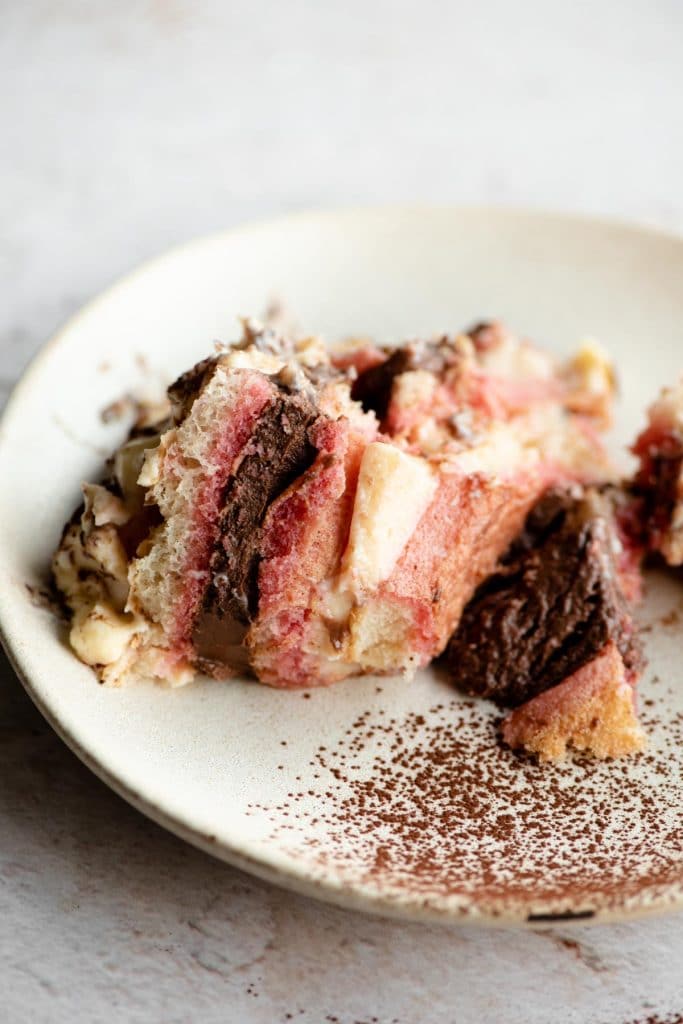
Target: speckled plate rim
{"x":664,"y":899}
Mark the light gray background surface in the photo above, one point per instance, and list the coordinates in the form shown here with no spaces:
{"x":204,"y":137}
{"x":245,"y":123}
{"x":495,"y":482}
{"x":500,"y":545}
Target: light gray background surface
{"x":130,"y":126}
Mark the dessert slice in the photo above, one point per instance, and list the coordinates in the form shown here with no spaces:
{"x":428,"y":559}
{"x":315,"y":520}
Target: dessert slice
{"x":308,"y":519}
{"x":551,"y":632}
{"x":191,"y":498}
{"x":592,"y":711}
{"x":659,"y":480}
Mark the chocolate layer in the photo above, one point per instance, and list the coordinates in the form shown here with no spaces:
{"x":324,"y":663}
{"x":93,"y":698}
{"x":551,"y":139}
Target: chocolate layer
{"x":279,"y":451}
{"x":551,"y":608}
{"x":373,"y":388}
{"x":219,"y":644}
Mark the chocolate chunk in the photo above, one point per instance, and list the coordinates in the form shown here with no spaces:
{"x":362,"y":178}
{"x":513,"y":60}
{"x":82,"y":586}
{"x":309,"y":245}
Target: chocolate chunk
{"x":186,"y":388}
{"x":552,"y":606}
{"x":219,"y":642}
{"x":487,"y":334}
{"x":657,"y":484}
{"x":279,"y":451}
{"x":373,"y":388}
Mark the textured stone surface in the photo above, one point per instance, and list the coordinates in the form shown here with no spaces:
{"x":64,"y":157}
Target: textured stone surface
{"x":129,"y":127}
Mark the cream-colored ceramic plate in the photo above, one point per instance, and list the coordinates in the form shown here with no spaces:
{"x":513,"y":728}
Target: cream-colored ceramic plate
{"x":383,"y":795}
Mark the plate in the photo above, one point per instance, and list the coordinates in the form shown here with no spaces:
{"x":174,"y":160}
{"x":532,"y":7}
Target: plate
{"x":380,"y":794}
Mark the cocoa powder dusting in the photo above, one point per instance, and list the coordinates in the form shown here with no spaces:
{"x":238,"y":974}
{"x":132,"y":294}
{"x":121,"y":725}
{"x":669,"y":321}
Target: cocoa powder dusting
{"x":430,"y":805}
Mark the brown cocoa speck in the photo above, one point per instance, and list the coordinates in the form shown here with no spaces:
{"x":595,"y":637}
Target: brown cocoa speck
{"x":435,"y":807}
